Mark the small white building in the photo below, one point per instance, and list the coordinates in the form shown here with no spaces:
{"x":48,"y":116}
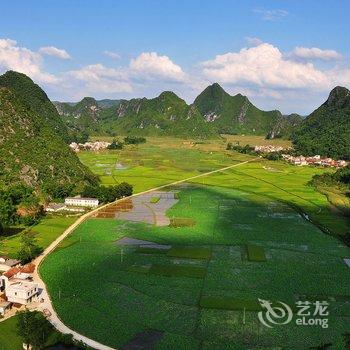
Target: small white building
{"x":81,"y":201}
{"x":4,"y":307}
{"x":21,"y":292}
{"x":7,"y":263}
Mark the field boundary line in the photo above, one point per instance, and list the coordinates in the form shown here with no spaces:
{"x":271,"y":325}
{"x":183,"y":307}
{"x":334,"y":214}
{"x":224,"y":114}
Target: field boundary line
{"x":47,"y":304}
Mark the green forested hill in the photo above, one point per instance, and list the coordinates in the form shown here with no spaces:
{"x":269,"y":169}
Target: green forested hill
{"x":166,"y":114}
{"x":32,"y":96}
{"x":326,"y":131}
{"x":80,"y":118}
{"x":213,"y":112}
{"x":285,"y":126}
{"x":32,"y":151}
{"x":236,"y":114}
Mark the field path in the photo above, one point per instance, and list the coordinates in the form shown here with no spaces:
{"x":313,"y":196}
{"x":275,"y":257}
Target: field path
{"x":48,"y":305}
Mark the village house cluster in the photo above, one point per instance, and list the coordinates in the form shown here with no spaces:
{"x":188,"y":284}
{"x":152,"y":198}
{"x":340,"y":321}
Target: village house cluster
{"x":89,"y":146}
{"x":314,"y":160}
{"x":269,"y":148}
{"x":17,"y":288}
{"x":73,"y":204}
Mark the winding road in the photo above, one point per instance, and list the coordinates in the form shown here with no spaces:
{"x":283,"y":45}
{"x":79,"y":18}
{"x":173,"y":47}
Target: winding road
{"x":48,"y":305}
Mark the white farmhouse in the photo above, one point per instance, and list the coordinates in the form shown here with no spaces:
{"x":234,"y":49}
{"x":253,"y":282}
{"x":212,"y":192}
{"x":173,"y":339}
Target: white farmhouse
{"x":81,"y":201}
{"x":21,"y":292}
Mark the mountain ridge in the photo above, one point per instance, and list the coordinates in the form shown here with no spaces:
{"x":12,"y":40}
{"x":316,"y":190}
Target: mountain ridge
{"x":213,"y":112}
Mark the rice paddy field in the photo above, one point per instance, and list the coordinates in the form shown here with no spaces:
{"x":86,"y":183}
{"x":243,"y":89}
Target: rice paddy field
{"x":198,"y":285}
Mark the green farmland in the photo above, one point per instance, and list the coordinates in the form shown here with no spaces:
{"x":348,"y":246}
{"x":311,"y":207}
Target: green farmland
{"x":9,"y":339}
{"x":164,"y":160}
{"x":159,"y":162}
{"x":46,"y":232}
{"x":202,"y":292}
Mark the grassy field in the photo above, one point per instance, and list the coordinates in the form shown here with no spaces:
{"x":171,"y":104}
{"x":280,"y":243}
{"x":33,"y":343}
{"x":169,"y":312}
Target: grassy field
{"x":163,"y":160}
{"x":202,"y":293}
{"x":252,"y":140}
{"x":46,"y":232}
{"x":9,"y":339}
{"x":196,"y":291}
{"x":287,"y":183}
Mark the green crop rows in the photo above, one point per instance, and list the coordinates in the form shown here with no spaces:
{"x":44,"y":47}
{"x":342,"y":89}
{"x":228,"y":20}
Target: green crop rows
{"x":203,"y":291}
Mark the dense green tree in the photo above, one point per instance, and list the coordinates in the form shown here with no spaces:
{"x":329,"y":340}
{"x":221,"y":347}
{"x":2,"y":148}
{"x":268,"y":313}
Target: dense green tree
{"x":34,"y":329}
{"x":19,"y":204}
{"x":108,"y":194}
{"x":116,"y":144}
{"x":8,"y":214}
{"x":340,"y":177}
{"x":134,"y":140}
{"x":29,"y":248}
{"x":273,"y":156}
{"x":58,"y":191}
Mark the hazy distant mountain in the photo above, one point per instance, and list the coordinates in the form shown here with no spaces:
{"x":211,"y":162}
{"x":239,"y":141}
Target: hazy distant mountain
{"x":326,"y":131}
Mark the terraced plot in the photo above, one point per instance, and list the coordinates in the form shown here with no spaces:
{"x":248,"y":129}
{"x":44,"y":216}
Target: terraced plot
{"x":201,"y":291}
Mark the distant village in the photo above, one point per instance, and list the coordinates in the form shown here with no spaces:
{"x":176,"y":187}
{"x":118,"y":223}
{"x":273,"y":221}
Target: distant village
{"x":314,"y":160}
{"x":301,"y":160}
{"x":89,"y":146}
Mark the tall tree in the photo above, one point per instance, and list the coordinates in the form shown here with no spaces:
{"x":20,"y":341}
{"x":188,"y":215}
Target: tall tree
{"x":29,"y":248}
{"x":33,"y":327}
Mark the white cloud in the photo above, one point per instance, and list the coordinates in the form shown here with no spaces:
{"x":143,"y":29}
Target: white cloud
{"x":271,"y":15}
{"x":54,"y":51}
{"x":315,"y":53}
{"x":21,"y":59}
{"x":97,"y":79}
{"x":252,"y":41}
{"x":150,"y":66}
{"x":112,"y":54}
{"x":264,"y":66}
{"x":272,"y":78}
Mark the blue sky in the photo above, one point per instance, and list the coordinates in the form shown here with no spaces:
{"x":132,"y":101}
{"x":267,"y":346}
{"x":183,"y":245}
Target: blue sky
{"x":281,"y":54}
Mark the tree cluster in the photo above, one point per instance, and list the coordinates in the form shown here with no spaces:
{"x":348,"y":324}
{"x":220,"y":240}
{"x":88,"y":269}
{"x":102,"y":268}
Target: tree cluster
{"x":108,"y":194}
{"x":116,"y":144}
{"x":247,"y":149}
{"x":134,"y":140}
{"x":29,"y":249}
{"x":15,"y":198}
{"x":34,"y":329}
{"x":340,"y":177}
